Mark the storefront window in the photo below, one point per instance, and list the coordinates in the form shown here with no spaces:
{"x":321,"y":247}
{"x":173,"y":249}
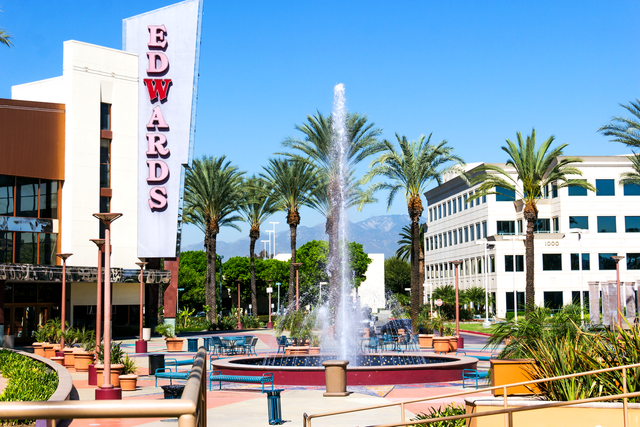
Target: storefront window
{"x":26,"y":248}
{"x":6,"y":247}
{"x":48,"y":243}
{"x":25,"y":292}
{"x":6,"y":195}
{"x":27,"y":197}
{"x":48,"y":199}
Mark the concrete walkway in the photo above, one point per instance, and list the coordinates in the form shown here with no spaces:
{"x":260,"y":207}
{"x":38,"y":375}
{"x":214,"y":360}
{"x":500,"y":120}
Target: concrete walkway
{"x":241,"y":405}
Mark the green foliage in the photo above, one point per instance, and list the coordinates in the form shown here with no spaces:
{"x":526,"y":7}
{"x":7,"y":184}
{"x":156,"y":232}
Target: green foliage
{"x":195,"y":324}
{"x":476,"y":295}
{"x":166,"y":330}
{"x":227,"y":323}
{"x":250,"y":322}
{"x":184,"y":316}
{"x":443,"y":411}
{"x":130,"y":367}
{"x":192,"y":277}
{"x":117,"y":354}
{"x":299,"y":323}
{"x":397,"y":275}
{"x":28,"y":380}
{"x":404,"y":250}
{"x":266,"y":269}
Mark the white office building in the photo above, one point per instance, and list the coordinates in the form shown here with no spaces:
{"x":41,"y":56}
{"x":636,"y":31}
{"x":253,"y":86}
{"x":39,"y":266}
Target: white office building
{"x":571,"y":221}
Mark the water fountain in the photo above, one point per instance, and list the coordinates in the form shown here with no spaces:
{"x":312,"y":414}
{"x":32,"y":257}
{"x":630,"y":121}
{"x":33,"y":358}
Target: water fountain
{"x":345,"y":342}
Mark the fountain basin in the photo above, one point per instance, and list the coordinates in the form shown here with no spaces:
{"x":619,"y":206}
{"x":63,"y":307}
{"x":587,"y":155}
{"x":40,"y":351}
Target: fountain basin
{"x":372,"y":369}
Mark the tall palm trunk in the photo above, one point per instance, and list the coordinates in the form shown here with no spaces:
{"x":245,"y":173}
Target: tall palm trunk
{"x":293,"y":219}
{"x":421,"y":268}
{"x":415,"y":211}
{"x":254,"y":234}
{"x":530,"y":215}
{"x":210,"y":289}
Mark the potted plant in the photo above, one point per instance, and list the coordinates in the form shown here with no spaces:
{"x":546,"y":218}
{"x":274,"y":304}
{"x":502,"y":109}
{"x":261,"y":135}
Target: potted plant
{"x":70,"y":338}
{"x":440,"y":343}
{"x":168,"y":332}
{"x":425,"y":329}
{"x":453,"y":339}
{"x":41,"y":339}
{"x":314,"y":344}
{"x":129,"y":376}
{"x":117,"y":364}
{"x":86,"y":354}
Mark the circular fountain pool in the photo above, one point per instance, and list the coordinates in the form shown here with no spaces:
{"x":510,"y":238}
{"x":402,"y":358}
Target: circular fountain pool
{"x":372,"y":369}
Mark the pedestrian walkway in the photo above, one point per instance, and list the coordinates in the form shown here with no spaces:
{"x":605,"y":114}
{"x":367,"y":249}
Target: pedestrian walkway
{"x":241,"y":405}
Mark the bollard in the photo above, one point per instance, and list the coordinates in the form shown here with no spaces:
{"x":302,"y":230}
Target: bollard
{"x":275,"y":409}
{"x":335,"y":372}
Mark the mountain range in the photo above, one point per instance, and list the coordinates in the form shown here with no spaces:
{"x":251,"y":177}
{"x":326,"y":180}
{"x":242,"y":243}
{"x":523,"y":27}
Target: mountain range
{"x":378,"y":234}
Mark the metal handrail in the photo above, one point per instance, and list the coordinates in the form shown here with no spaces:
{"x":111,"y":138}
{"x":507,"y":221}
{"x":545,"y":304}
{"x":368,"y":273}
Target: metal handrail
{"x":306,"y":419}
{"x":190,"y":409}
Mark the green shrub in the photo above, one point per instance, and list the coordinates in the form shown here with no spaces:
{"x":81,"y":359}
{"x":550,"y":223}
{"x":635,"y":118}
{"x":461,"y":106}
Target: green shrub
{"x":444,"y":411}
{"x":116,"y":355}
{"x":227,"y":323}
{"x":250,"y":322}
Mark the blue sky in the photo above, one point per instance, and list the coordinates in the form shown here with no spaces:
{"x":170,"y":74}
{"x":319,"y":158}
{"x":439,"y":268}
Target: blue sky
{"x":473,"y":73}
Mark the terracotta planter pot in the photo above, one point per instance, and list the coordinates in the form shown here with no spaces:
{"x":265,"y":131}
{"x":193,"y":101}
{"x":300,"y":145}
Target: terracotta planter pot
{"x":59,"y":360}
{"x":314,"y":350}
{"x":174,"y":344}
{"x":82,"y":360}
{"x":426,"y":340}
{"x":453,"y":343}
{"x":300,"y":349}
{"x":49,"y":351}
{"x":128,"y":382}
{"x":441,"y":344}
{"x":116,"y":370}
{"x":38,"y":348}
{"x":69,"y":357}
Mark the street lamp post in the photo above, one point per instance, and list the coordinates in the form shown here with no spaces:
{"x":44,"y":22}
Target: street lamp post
{"x":486,"y":323}
{"x":239,"y":323}
{"x":579,"y":232}
{"x":278,"y":284}
{"x":269,"y":232}
{"x":141,"y":344}
{"x":297,"y":265}
{"x":100,"y":244}
{"x":274,"y":240}
{"x":617,"y":259}
{"x":107,"y":391}
{"x":456,"y":264}
{"x":63,"y":308}
{"x":265,"y":246}
{"x":269,"y":292}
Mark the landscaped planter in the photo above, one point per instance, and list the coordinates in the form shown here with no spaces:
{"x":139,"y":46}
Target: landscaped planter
{"x":174,"y":344}
{"x":128,"y":382}
{"x":69,"y":357}
{"x":509,"y":371}
{"x":453,"y":343}
{"x":300,"y":349}
{"x":116,"y":370}
{"x":58,"y":359}
{"x":49,"y":350}
{"x":426,"y":340}
{"x":441,"y":344}
{"x":38,"y":348}
{"x":314,"y":350}
{"x":589,"y":414}
{"x":82,"y":360}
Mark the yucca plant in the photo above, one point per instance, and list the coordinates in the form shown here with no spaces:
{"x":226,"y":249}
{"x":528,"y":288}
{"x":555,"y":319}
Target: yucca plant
{"x":443,"y":411}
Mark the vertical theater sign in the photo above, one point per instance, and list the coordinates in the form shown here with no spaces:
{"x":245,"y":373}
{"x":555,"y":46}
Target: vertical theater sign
{"x":167,"y":42}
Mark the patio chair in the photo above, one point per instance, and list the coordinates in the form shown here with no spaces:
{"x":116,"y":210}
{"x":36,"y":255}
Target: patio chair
{"x":250,"y":346}
{"x":219,"y":347}
{"x":372,"y":344}
{"x":411,"y":342}
{"x":283,"y":342}
{"x":388,"y":341}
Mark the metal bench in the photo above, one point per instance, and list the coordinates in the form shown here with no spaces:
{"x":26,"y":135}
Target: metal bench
{"x":217,"y":376}
{"x":472,"y":374}
{"x":170,"y":370}
{"x":176,"y":362}
{"x":479,"y":357}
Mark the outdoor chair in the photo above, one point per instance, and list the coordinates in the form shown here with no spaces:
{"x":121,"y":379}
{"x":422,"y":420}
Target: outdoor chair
{"x":283,"y":342}
{"x":372,"y":345}
{"x":411,"y":342}
{"x":250,"y":345}
{"x":219,"y":347}
{"x":388,"y":342}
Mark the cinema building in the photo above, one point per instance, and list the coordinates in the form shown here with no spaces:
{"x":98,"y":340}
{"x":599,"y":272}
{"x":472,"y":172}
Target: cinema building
{"x":573,"y":223}
{"x":73,"y":146}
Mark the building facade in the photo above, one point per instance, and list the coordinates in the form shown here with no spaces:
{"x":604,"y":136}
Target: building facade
{"x":573,"y":223}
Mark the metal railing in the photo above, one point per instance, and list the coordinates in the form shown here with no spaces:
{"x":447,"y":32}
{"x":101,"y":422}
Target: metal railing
{"x":191,"y":409}
{"x":508,"y":412}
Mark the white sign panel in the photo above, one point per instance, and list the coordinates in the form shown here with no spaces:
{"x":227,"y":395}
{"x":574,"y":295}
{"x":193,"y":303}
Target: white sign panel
{"x":167,"y":42}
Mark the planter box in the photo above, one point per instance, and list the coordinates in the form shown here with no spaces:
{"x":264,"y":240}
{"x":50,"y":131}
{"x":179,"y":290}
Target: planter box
{"x":426,"y":340}
{"x":441,"y":344}
{"x":116,"y":370}
{"x":82,"y":360}
{"x":587,"y":414}
{"x":128,"y":382}
{"x":69,"y":357}
{"x":38,"y":348}
{"x":174,"y":344}
{"x":508,"y":371}
{"x":300,"y":349}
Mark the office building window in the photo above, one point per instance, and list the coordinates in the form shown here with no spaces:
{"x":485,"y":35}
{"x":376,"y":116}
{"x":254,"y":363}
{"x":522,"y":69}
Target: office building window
{"x":605,"y":187}
{"x":577,"y":191}
{"x":551,"y":262}
{"x":554,"y":191}
{"x":440,"y":241}
{"x":48,"y":244}
{"x":466,"y":234}
{"x":460,"y":204}
{"x":439,"y":211}
{"x":556,"y":225}
{"x":484,"y":199}
{"x":505,"y":227}
{"x":450,"y":239}
{"x":26,"y":248}
{"x":478,"y":201}
{"x":605,"y":262}
{"x":105,"y":163}
{"x":586,"y":265}
{"x":508,"y":263}
{"x":27,"y":197}
{"x":606,"y":224}
{"x":519,"y":226}
{"x":492,"y":261}
{"x":455,"y":237}
{"x":465,"y":202}
{"x":631,"y":190}
{"x":445,"y":240}
{"x":449,"y":208}
{"x":7,"y":184}
{"x":542,"y":225}
{"x":478,"y":230}
{"x":6,"y":247}
{"x":632,"y":224}
{"x":581,"y":222}
{"x":430,"y":215}
{"x":460,"y":234}
{"x":105,"y":116}
{"x":484,"y":229}
{"x":505,"y":195}
{"x":633,"y":262}
{"x":471,"y":233}
{"x":479,"y":265}
{"x":455,"y":206}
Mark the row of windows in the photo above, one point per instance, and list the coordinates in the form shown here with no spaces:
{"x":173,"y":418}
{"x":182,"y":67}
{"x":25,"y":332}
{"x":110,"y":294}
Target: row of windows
{"x":553,"y":262}
{"x":454,"y":206}
{"x":459,"y":236}
{"x":605,"y":187}
{"x":606,"y":224}
{"x":28,"y":248}
{"x":468,"y":267}
{"x":28,"y":197}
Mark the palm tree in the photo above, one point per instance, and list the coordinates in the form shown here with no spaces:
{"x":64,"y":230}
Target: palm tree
{"x":632,"y":177}
{"x":293,"y":184}
{"x":410,"y":170}
{"x":625,"y":129}
{"x":5,"y":38}
{"x":257,"y":205}
{"x":535,"y":169}
{"x":404,"y":251}
{"x":212,"y":194}
{"x":317,"y":145}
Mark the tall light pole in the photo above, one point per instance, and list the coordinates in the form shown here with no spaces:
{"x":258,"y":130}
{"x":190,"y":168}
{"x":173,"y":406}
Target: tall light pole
{"x":269,"y":292}
{"x":269,"y":232}
{"x":100,"y":244}
{"x":456,"y":264}
{"x":141,"y":344}
{"x":265,"y":246}
{"x":63,"y":308}
{"x":107,"y":391}
{"x":239,"y":323}
{"x":617,"y":259}
{"x":515,"y":292}
{"x":274,"y":240}
{"x":297,"y":265}
{"x":278,"y":284}
{"x":579,"y":232}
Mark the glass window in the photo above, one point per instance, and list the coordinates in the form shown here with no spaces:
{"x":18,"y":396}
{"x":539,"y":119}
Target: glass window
{"x":466,"y":234}
{"x":542,"y":225}
{"x":455,"y":237}
{"x":26,"y":292}
{"x":465,"y":202}
{"x":577,"y":191}
{"x":484,"y":229}
{"x":478,"y":230}
{"x":48,"y":248}
{"x":585,"y":262}
{"x":450,"y":239}
{"x":471,"y":233}
{"x":505,"y":195}
{"x":105,"y":116}
{"x":460,"y":234}
{"x":439,"y":211}
{"x":440,"y":240}
{"x":460,"y":204}
{"x":445,"y":240}
{"x":26,"y":248}
{"x":581,"y":222}
{"x":556,"y":225}
{"x":519,"y":226}
{"x":508,"y":263}
{"x":6,"y":247}
{"x":633,"y":262}
{"x":632,"y":224}
{"x":551,"y":262}
{"x":449,"y":208}
{"x":606,"y":224}
{"x":554,"y":191}
{"x":492,"y":260}
{"x":519,"y":296}
{"x":605,"y":187}
{"x":484,"y":199}
{"x":631,"y":190}
{"x":605,"y":262}
{"x":27,"y":197}
{"x":478,"y":201}
{"x":6,"y":195}
{"x":48,"y":199}
{"x":455,"y":206}
{"x":105,"y":163}
{"x":506,"y":227}
{"x":553,"y":300}
{"x":430,"y":215}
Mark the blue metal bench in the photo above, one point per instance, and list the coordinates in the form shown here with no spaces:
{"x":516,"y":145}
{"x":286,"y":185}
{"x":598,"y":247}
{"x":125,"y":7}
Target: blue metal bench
{"x":472,"y":374}
{"x":217,"y":376}
{"x":479,"y":357}
{"x":170,"y":370}
{"x":176,"y":362}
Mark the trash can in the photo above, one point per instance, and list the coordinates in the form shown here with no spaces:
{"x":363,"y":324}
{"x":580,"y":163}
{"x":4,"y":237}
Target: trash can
{"x":173,"y":391}
{"x":192,"y":344}
{"x":275,"y":409}
{"x":156,"y":361}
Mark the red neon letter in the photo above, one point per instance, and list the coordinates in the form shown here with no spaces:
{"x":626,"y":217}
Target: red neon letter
{"x":153,"y":171}
{"x":154,"y":57}
{"x":158,"y":88}
{"x":157,"y":119}
{"x":157,"y":33}
{"x":157,"y":142}
{"x":157,"y":198}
